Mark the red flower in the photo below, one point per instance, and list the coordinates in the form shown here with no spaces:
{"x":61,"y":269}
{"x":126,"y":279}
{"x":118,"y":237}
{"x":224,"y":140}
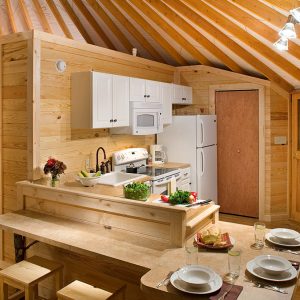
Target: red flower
{"x":55,"y":167}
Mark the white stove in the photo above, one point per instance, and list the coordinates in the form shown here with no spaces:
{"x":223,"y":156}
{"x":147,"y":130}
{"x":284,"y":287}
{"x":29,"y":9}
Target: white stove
{"x":133,"y":160}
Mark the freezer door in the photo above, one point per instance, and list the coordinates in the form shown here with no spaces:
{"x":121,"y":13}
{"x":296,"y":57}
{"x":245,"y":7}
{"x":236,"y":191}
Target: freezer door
{"x":206,"y":130}
{"x":207,"y":173}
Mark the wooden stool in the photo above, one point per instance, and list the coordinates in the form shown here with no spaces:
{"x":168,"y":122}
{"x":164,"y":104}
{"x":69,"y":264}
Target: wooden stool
{"x":27,"y":274}
{"x":78,"y":290}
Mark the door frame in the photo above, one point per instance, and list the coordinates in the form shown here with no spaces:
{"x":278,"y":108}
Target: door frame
{"x":261,"y":139}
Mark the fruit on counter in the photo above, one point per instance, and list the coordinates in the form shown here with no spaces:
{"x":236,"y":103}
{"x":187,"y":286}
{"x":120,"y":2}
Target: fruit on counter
{"x":164,"y":198}
{"x":136,"y":191}
{"x":191,"y":199}
{"x":179,"y":197}
{"x":84,"y":173}
{"x":194,"y":194}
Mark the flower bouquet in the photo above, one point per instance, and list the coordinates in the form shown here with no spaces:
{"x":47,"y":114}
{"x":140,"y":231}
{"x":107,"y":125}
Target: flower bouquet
{"x":55,"y":168}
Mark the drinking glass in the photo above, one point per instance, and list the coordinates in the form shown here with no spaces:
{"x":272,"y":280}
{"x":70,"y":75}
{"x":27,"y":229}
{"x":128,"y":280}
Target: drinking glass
{"x":234,"y":265}
{"x":259,"y":234}
{"x":191,"y":253}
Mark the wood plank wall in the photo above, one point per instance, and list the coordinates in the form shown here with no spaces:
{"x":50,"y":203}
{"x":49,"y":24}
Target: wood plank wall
{"x":14,"y":126}
{"x":56,"y":136}
{"x":276,"y":124}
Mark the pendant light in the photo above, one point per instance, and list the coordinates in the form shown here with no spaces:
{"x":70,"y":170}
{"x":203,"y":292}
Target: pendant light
{"x":296,"y":13}
{"x":282,"y":44}
{"x":288,"y":31}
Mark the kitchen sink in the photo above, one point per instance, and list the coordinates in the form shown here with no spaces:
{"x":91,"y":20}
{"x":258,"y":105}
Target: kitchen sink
{"x":118,"y":178}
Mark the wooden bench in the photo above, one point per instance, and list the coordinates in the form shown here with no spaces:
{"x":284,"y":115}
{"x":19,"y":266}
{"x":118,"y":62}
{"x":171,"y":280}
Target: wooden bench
{"x":78,"y":290}
{"x":27,"y":274}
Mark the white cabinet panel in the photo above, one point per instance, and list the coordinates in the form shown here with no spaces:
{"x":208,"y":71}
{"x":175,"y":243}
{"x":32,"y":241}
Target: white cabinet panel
{"x":182,"y":94}
{"x":137,"y":89}
{"x":120,"y":103}
{"x":152,"y":91}
{"x":166,"y":99}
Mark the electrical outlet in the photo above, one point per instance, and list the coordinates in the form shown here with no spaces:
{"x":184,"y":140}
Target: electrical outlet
{"x":87,"y":164}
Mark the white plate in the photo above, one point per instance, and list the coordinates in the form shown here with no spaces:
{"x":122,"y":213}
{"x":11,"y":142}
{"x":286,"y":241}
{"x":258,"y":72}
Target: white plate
{"x":284,"y":234}
{"x":257,"y":271}
{"x":273,"y":239}
{"x":213,"y":286}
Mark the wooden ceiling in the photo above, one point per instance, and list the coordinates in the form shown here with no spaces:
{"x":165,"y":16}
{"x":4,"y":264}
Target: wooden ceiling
{"x":236,"y":35}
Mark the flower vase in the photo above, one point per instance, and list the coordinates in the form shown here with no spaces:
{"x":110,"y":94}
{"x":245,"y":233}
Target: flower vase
{"x":54,"y":181}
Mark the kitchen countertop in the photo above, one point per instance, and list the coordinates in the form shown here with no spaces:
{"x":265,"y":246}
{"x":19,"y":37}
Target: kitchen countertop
{"x":172,"y":165}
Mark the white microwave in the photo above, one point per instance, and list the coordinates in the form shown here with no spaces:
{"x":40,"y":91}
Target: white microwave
{"x":144,"y":118}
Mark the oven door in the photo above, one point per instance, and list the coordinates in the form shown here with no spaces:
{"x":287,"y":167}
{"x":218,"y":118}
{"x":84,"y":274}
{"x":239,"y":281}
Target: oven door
{"x":162,"y":186}
{"x":146,"y":121}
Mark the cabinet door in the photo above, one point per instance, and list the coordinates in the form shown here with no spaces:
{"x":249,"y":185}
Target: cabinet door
{"x":120,"y":101}
{"x":187,"y":94}
{"x":177,"y":97}
{"x":166,"y":99}
{"x":184,"y":186}
{"x":102,"y":100}
{"x":153,"y":91}
{"x":137,"y":89}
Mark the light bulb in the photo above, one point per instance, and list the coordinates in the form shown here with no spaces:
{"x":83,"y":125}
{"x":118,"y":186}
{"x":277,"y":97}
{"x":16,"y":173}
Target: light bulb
{"x":282,"y":44}
{"x":288,"y":31}
{"x":296,"y":13}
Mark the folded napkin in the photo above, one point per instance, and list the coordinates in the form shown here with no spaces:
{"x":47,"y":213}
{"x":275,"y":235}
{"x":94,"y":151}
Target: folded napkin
{"x":232,"y":295}
{"x":295,"y":264}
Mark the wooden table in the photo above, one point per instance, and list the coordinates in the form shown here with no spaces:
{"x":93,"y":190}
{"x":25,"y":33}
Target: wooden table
{"x":244,"y":237}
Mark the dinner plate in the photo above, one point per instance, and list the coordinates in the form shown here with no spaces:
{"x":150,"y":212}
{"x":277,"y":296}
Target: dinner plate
{"x":257,"y":271}
{"x":273,"y":239}
{"x":213,"y":286}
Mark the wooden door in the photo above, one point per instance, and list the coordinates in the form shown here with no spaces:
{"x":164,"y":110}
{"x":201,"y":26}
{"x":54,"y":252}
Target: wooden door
{"x":238,"y":149}
{"x":295,"y":207}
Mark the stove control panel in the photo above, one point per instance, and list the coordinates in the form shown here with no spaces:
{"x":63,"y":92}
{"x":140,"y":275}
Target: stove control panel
{"x":129,"y":155}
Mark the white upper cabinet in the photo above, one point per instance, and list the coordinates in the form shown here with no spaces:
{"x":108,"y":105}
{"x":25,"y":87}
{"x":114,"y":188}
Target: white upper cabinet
{"x":182,"y":94}
{"x":142,"y":90}
{"x":99,"y":100}
{"x":166,"y":90}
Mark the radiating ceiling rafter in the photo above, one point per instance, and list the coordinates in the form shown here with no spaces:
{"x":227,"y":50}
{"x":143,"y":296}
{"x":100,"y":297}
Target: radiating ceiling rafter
{"x":245,"y":37}
{"x":76,"y":21}
{"x":170,"y":31}
{"x":93,"y":23}
{"x":131,"y":29}
{"x":111,"y":25}
{"x":253,"y":24}
{"x":25,"y":14}
{"x":195,"y":35}
{"x":198,"y":20}
{"x":59,"y":19}
{"x":151,"y":31}
{"x":42,"y":17}
{"x":11,"y":16}
{"x":282,"y":4}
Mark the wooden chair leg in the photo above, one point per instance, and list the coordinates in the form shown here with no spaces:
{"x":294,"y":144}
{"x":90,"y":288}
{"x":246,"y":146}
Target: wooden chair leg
{"x":35,"y":290}
{"x":3,"y":290}
{"x":29,"y":293}
{"x":59,"y":280}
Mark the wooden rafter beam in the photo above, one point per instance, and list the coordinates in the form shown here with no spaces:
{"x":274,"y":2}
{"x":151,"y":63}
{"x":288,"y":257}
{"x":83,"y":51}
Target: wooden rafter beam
{"x":194,"y":34}
{"x":283,"y":4}
{"x":59,"y":19}
{"x":216,"y":33}
{"x":76,"y":21}
{"x":245,"y":37}
{"x":11,"y":16}
{"x":132,"y":30}
{"x":111,"y":25}
{"x":89,"y":17}
{"x":132,"y":13}
{"x":45,"y":24}
{"x":174,"y":34}
{"x":25,"y":14}
{"x":252,"y":23}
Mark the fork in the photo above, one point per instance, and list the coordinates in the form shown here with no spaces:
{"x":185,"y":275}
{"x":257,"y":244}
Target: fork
{"x":266,"y":286}
{"x":222,"y":297}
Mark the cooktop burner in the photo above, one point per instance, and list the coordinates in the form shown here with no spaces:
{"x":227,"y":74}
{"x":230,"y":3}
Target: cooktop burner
{"x":154,"y":171}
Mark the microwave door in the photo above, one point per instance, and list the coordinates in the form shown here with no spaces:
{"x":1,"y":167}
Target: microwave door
{"x":145,"y":123}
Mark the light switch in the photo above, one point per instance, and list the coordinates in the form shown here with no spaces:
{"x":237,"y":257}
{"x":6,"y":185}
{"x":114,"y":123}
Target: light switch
{"x":280,"y":140}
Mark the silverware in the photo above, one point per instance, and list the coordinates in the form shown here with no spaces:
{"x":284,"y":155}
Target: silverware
{"x":284,"y":250}
{"x":266,"y":286}
{"x":222,"y":297}
{"x":199,"y":203}
{"x":162,"y":282}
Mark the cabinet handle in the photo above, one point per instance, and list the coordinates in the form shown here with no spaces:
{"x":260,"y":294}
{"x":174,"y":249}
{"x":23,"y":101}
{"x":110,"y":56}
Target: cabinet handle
{"x":148,"y":96}
{"x":111,"y":120}
{"x":145,"y":96}
{"x":115,"y":120}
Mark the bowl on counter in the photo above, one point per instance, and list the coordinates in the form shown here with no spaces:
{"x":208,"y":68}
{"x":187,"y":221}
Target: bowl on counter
{"x":195,"y":275}
{"x":136,"y":191}
{"x":284,"y":234}
{"x":273,"y":265}
{"x":89,"y":181}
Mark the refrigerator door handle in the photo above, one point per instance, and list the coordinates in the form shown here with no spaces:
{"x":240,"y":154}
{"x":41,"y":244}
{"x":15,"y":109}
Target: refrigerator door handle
{"x":202,"y":132}
{"x":202,"y":162}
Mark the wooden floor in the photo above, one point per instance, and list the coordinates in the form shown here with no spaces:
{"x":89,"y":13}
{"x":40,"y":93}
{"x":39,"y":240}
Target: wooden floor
{"x":277,"y":224}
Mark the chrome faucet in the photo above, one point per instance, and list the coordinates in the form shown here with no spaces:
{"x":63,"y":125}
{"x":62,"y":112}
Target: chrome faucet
{"x":97,"y":158}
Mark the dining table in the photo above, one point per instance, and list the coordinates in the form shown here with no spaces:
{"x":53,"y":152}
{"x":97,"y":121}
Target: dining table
{"x":250,"y":286}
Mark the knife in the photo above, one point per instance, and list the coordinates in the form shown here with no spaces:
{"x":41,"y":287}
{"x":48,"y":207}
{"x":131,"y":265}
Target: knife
{"x":199,"y":203}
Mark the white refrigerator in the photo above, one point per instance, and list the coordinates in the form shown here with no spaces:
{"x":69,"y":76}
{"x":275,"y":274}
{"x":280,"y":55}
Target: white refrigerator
{"x":193,"y":140}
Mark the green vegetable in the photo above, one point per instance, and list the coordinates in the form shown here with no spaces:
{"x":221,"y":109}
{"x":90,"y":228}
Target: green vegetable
{"x":179,"y":197}
{"x":84,"y":173}
{"x":137,"y":191}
